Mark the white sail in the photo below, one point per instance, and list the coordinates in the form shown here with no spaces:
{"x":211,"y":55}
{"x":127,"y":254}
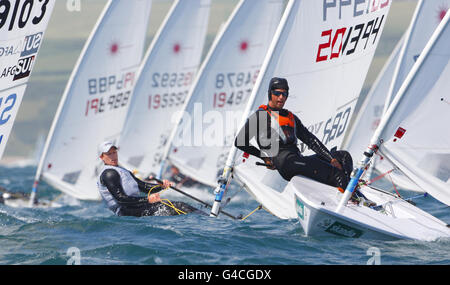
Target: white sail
{"x":415,"y":132}
{"x":369,"y":115}
{"x":164,"y":80}
{"x":222,"y":89}
{"x":324,"y":50}
{"x":367,"y":120}
{"x":22,"y":29}
{"x":427,"y":16}
{"x":95,"y":102}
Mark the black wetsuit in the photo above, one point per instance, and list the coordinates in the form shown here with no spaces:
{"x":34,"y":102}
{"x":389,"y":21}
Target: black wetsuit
{"x":288,"y":160}
{"x":138,"y":206}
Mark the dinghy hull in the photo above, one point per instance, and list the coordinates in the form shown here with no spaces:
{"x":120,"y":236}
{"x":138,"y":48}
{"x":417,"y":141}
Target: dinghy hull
{"x":25,"y":203}
{"x":315,"y":205}
{"x":320,"y":222}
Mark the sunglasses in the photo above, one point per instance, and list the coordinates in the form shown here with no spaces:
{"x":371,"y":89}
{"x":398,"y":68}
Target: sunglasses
{"x":278,"y":93}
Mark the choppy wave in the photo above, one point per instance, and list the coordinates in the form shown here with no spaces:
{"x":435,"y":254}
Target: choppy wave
{"x":45,"y":236}
{"x":18,"y":163}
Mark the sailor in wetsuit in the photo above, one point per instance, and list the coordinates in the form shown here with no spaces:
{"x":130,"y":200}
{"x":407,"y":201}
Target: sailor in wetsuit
{"x":120,"y":189}
{"x":281,"y":152}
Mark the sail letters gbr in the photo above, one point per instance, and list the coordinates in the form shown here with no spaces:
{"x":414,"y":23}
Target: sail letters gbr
{"x":345,"y":43}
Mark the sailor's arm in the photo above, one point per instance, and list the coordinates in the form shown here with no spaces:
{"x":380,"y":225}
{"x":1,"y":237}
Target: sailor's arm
{"x":244,"y":136}
{"x":111,"y":179}
{"x":144,"y":187}
{"x":251,"y":130}
{"x":312,"y":141}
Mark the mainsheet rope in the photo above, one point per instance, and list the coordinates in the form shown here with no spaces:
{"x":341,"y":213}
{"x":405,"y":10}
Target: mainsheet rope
{"x":168,"y":204}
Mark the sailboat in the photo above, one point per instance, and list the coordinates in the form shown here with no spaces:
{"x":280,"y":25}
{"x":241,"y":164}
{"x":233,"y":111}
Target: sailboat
{"x":95,"y":101}
{"x":414,"y":135}
{"x":22,"y":32}
{"x":369,"y":115}
{"x":426,"y":18}
{"x":162,"y":85}
{"x":366,"y":122}
{"x":324,"y":51}
{"x":222,"y":89}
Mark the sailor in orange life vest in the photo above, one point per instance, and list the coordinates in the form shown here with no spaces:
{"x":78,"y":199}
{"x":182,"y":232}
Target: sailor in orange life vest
{"x":332,"y":168}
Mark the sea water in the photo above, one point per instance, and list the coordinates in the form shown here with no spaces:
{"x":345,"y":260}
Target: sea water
{"x":81,"y":232}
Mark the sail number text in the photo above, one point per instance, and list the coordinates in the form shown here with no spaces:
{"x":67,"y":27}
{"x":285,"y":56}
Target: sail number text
{"x":110,"y":83}
{"x":163,"y":100}
{"x":232,"y":79}
{"x":344,"y":41}
{"x":172,"y":79}
{"x":233,"y":88}
{"x":357,"y":7}
{"x":224,"y":99}
{"x":166,"y":100}
{"x":120,"y":86}
{"x":19,"y":13}
{"x":5,"y":107}
{"x":100,"y":105}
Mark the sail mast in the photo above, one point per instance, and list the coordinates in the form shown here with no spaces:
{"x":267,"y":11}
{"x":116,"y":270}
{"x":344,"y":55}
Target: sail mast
{"x":61,"y":105}
{"x":400,"y":61}
{"x":178,"y":44}
{"x":216,"y":42}
{"x":222,"y":89}
{"x":95,"y":99}
{"x":372,"y":99}
{"x":150,"y":51}
{"x":423,"y":23}
{"x":223,"y":182}
{"x":376,"y":140}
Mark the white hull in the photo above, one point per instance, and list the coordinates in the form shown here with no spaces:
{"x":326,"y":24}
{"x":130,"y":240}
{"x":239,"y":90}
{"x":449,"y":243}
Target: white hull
{"x":316,"y":205}
{"x":268,"y":188}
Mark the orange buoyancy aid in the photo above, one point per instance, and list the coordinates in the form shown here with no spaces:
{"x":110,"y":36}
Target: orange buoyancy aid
{"x":287,"y":124}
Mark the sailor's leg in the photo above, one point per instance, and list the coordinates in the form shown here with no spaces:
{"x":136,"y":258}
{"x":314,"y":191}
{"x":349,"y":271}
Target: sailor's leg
{"x":186,"y":208}
{"x":290,"y":164}
{"x":157,"y":209}
{"x":140,"y":211}
{"x":169,"y":209}
{"x":338,"y":178}
{"x":314,"y":167}
{"x":346,"y":160}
